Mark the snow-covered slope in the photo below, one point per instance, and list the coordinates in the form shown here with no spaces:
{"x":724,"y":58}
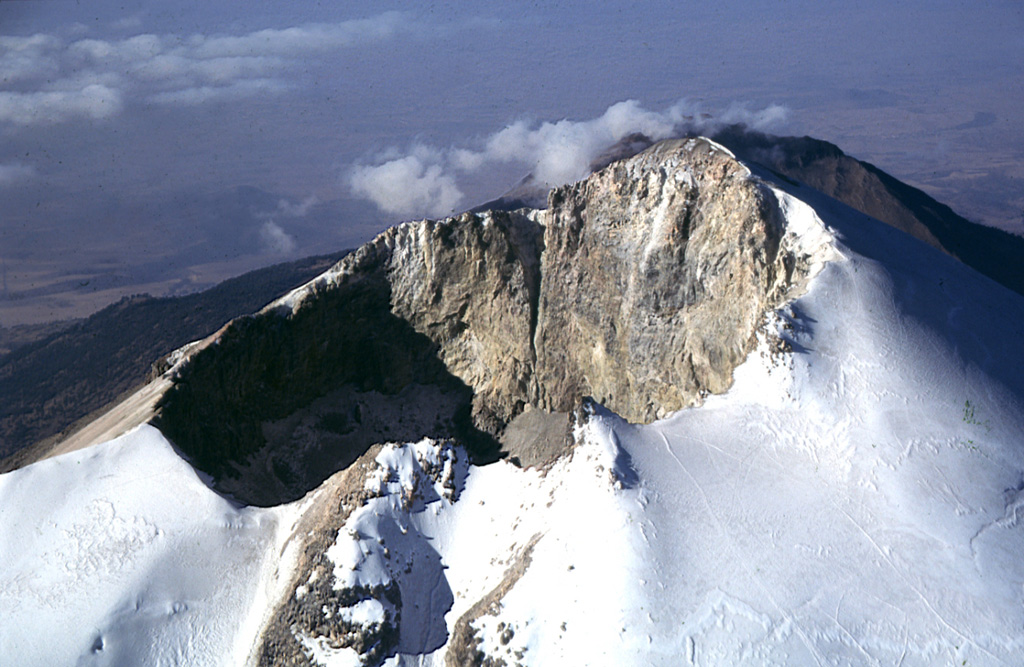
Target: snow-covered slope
{"x":854,"y":502}
{"x":854,"y":498}
{"x":119,"y":554}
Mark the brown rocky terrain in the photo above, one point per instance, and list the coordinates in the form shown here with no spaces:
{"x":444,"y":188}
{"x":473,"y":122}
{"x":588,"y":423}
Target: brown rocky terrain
{"x":641,"y":286}
{"x":656,"y":271}
{"x":858,"y":184}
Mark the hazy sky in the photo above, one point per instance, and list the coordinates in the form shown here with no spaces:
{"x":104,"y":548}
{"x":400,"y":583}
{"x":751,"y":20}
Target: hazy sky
{"x":158,"y":146}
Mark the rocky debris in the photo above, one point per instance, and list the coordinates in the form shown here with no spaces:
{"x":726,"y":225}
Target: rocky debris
{"x":364,"y":619}
{"x":357,"y":583}
{"x":536,"y":438}
{"x":333,"y":431}
{"x":311,"y":588}
{"x":641,"y":286}
{"x":368,"y":585}
{"x":464,"y":645}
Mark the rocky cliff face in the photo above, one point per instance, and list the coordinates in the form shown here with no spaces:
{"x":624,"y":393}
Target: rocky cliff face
{"x":471,"y":285}
{"x":655,"y":274}
{"x":641,"y":286}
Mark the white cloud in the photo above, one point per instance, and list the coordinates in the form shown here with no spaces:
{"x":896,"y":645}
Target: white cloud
{"x":275,"y":240}
{"x":92,"y":101}
{"x":425,"y":180}
{"x":57,"y":79}
{"x":202,"y":94}
{"x":760,"y":119}
{"x":14,"y":173}
{"x":561,"y":152}
{"x":25,"y":58}
{"x":229,"y":69}
{"x":410,"y":186}
{"x":301,"y":39}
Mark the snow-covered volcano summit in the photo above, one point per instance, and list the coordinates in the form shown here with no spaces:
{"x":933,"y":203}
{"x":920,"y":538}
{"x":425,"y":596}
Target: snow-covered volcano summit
{"x":851,"y":498}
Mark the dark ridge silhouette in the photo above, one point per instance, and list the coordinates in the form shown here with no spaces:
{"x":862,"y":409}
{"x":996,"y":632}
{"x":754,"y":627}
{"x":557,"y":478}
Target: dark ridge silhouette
{"x":860,"y":185}
{"x":46,"y":386}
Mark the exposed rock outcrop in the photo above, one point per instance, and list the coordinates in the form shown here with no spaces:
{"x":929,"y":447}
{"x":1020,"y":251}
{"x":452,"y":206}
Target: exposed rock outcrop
{"x":471,"y":285}
{"x":366,"y":583}
{"x":640,"y":286}
{"x":656,"y":272}
{"x":644,"y":290}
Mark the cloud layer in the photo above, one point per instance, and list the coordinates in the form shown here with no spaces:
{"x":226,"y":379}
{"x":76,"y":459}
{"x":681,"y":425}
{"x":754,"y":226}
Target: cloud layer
{"x":50,"y":79}
{"x":424,"y":181}
{"x":15,"y":173}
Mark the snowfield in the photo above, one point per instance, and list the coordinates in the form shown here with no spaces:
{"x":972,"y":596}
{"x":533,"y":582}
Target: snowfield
{"x":118,"y":554}
{"x":854,"y":499}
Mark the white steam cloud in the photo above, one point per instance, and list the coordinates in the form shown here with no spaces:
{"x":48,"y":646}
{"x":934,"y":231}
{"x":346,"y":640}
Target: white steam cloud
{"x":275,"y":240}
{"x":288,"y":209}
{"x":415,"y":184}
{"x":424,"y":181}
{"x":561,"y":152}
